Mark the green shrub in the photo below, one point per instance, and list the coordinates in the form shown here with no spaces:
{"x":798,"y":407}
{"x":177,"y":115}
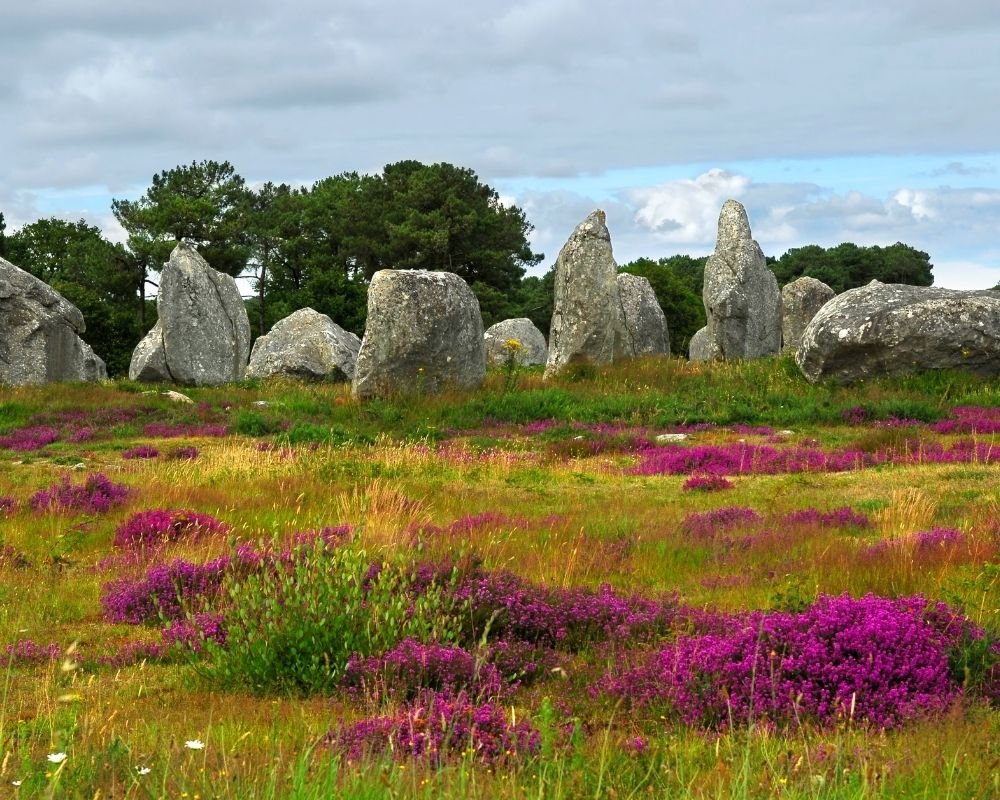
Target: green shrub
{"x":293,"y":626}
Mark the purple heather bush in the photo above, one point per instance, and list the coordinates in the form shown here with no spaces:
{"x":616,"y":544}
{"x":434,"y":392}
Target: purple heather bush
{"x":151,"y":528}
{"x":191,"y":633}
{"x":706,"y":482}
{"x":872,"y":660}
{"x":167,"y":591}
{"x":437,"y":727}
{"x":708,"y":524}
{"x":412,"y":666}
{"x":9,"y":506}
{"x":182,"y":453}
{"x":970,"y":419}
{"x":96,"y":494}
{"x":27,"y":651}
{"x":133,"y":652}
{"x":84,"y":434}
{"x":27,"y":439}
{"x":844,"y":517}
{"x":141,"y":451}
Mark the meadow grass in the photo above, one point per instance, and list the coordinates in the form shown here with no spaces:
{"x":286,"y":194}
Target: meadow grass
{"x":537,"y":481}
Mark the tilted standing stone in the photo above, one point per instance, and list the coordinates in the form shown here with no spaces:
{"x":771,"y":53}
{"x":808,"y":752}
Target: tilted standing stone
{"x":895,"y":329}
{"x":39,"y":333}
{"x":424,"y":334}
{"x":305,"y":344}
{"x":588,"y":322}
{"x":202,"y":337}
{"x":800,"y":301}
{"x":645,"y":322}
{"x":740,"y":293}
{"x":532,"y":348}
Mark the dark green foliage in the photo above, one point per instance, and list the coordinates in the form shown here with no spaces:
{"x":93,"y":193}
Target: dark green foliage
{"x":3,"y":237}
{"x":677,"y":283}
{"x":847,"y":265}
{"x":293,"y":626}
{"x":98,"y":277}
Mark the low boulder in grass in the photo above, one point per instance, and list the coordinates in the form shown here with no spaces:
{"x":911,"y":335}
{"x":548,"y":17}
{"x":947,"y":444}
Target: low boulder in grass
{"x":801,"y":300}
{"x":307,"y":345}
{"x":895,"y":329}
{"x":532,"y":349}
{"x":702,"y":347}
{"x":424,"y":334}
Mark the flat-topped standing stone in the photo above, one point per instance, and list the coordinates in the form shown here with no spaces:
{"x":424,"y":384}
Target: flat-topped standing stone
{"x":424,"y":334}
{"x":588,"y":322}
{"x":740,"y":293}
{"x":800,"y":301}
{"x":40,"y":333}
{"x":645,"y":322}
{"x":532,"y":348}
{"x":305,"y":344}
{"x":895,"y":329}
{"x":204,"y":331}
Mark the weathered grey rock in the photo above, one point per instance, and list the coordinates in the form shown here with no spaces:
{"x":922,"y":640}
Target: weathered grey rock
{"x":305,"y":344}
{"x":149,"y":363}
{"x":204,"y":332}
{"x":740,"y":293}
{"x":702,"y":347}
{"x":588,"y":322}
{"x":533,"y":349}
{"x":424,"y":334}
{"x":894,"y":329}
{"x":645,"y":322}
{"x":40,"y":333}
{"x":800,"y":301}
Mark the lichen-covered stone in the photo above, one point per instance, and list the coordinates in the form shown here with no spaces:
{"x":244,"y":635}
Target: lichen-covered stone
{"x":702,"y":347}
{"x":40,"y":333}
{"x":307,"y":345}
{"x":588,"y":322}
{"x":424,"y":334}
{"x":532,"y":348}
{"x":645,"y":323}
{"x":895,"y":329}
{"x":801,"y":300}
{"x":740,"y":292}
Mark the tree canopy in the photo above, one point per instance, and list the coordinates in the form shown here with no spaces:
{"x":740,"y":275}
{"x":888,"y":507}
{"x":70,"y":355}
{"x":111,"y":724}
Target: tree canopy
{"x":847,"y":265}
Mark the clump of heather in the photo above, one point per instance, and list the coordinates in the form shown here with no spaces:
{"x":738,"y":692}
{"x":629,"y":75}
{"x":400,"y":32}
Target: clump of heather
{"x":182,"y":454}
{"x":191,"y":633}
{"x":96,"y":494}
{"x":437,"y":727}
{"x":9,"y":506}
{"x":141,"y":451}
{"x":504,"y":605}
{"x":707,"y":524}
{"x":133,"y":652}
{"x":27,"y":439}
{"x":871,"y":659}
{"x":167,"y":591}
{"x":970,"y":419}
{"x":84,"y":434}
{"x":154,"y":527}
{"x":28,"y":651}
{"x":844,"y":517}
{"x":855,"y":415}
{"x":412,"y":666}
{"x":706,"y":483}
{"x":165,"y":430}
{"x":925,"y":546}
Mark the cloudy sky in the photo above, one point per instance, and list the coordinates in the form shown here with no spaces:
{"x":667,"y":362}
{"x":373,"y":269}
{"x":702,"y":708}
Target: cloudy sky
{"x":831,"y":122}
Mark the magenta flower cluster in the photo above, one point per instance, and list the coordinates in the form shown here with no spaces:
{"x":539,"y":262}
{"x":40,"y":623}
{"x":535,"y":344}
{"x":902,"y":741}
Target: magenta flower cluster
{"x":140,"y":451}
{"x":9,"y":505}
{"x":167,"y":591}
{"x":707,"y":482}
{"x":708,"y":524}
{"x":95,"y":495}
{"x":844,"y":517}
{"x":437,"y":727}
{"x":27,"y":439}
{"x":28,"y":651}
{"x":970,"y":419}
{"x":154,"y":527}
{"x":871,"y":659}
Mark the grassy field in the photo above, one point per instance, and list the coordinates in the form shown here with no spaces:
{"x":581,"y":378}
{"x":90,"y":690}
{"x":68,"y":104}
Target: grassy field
{"x":658,"y":580}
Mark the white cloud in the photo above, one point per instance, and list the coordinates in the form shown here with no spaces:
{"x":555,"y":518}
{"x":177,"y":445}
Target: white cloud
{"x":686,"y":210}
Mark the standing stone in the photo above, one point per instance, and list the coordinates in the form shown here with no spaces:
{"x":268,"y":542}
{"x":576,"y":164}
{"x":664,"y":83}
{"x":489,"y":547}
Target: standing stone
{"x":204,"y":336}
{"x":895,"y":329}
{"x":702,"y":347}
{"x":522,"y":330}
{"x":741,"y":296}
{"x":305,"y":344}
{"x":424,"y":334}
{"x":588,"y":322}
{"x":645,"y":322}
{"x":39,"y":333}
{"x":800,"y":301}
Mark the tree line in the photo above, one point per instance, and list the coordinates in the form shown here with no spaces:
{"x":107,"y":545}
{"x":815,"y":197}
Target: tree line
{"x":319,"y":246}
